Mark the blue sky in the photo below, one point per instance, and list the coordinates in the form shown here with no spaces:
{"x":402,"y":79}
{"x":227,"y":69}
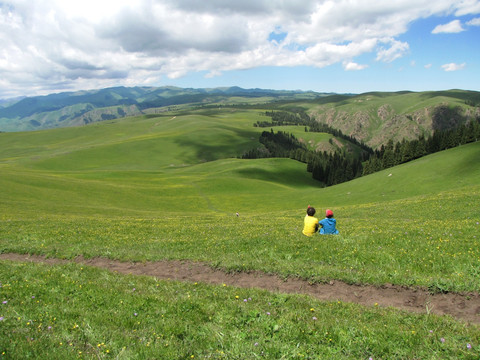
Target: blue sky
{"x":419,"y":69}
{"x":343,"y":46}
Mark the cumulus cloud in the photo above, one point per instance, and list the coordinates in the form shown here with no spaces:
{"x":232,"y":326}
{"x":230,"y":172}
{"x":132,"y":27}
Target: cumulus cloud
{"x":474,"y":22}
{"x":453,"y":67}
{"x":454,"y":26}
{"x":58,"y":44}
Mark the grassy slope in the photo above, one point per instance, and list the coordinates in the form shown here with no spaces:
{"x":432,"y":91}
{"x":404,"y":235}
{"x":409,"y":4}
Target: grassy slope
{"x":121,"y":162}
{"x":69,"y":312}
{"x":137,"y":189}
{"x":153,"y":169}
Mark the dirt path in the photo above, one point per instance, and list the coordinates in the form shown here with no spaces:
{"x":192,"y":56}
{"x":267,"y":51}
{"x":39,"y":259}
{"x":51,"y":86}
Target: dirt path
{"x":462,"y":306}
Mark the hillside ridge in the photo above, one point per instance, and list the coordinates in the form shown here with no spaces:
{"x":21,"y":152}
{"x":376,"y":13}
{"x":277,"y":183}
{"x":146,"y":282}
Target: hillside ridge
{"x":373,"y":117}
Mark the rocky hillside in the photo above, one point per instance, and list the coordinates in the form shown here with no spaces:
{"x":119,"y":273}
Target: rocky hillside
{"x":376,"y":118}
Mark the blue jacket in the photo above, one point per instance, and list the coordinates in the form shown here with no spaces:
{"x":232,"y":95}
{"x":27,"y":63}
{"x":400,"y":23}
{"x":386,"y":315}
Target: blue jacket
{"x":328,"y":226}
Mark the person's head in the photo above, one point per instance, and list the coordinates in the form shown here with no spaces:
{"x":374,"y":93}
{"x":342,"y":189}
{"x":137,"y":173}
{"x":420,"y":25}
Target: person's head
{"x":329,"y":213}
{"x":310,"y":211}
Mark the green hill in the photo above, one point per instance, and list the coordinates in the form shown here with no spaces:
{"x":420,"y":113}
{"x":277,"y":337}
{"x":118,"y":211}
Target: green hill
{"x":376,"y":118}
{"x":373,"y":118}
{"x":149,"y":164}
{"x":84,"y":107}
{"x":168,"y":187}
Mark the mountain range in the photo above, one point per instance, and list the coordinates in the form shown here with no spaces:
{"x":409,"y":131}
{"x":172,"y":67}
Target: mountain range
{"x":83,"y":107}
{"x":374,"y":117}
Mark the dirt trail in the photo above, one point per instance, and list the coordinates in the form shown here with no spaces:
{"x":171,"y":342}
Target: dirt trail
{"x":461,"y":306}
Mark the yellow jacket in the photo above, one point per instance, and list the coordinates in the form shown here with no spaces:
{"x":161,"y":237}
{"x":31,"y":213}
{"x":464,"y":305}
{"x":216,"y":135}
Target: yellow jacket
{"x":310,"y":225}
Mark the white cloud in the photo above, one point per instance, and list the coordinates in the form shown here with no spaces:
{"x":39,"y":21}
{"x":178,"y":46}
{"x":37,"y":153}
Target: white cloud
{"x":453,"y":67}
{"x":428,"y":66}
{"x":465,"y":7}
{"x":395,"y":51}
{"x":454,"y":26}
{"x":50,"y":45}
{"x":474,"y":22}
{"x":352,"y":66}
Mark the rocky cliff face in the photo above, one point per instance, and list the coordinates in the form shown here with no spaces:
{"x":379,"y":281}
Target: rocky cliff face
{"x":376,"y":126}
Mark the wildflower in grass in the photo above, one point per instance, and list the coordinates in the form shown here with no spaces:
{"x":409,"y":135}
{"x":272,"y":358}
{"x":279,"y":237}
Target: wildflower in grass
{"x":245,"y":300}
{"x":442,"y":340}
{"x":314,"y":318}
{"x":4,"y":302}
{"x":469,"y":346}
{"x":268,"y":313}
{"x":1,"y":318}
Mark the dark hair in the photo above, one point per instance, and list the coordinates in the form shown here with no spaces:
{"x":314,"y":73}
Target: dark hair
{"x":311,"y":211}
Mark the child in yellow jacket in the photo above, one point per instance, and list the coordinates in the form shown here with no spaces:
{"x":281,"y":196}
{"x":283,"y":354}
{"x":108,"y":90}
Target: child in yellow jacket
{"x":310,"y":222}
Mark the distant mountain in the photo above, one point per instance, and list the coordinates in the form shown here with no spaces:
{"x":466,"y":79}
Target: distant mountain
{"x":83,"y":107}
{"x":10,"y":101}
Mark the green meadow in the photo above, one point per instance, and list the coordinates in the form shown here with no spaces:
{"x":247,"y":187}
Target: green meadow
{"x":169,"y":187}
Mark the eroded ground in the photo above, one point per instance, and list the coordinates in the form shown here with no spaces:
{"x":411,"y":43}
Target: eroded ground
{"x":461,"y":306}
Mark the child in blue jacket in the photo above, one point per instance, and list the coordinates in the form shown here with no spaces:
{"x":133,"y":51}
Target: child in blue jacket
{"x":328,"y":225}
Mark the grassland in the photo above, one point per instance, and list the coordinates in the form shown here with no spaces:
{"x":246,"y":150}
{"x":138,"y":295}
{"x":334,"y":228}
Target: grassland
{"x":168,"y":187}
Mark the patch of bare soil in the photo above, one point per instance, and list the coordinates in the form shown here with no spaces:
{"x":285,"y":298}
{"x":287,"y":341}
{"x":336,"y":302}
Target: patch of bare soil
{"x":461,"y":306}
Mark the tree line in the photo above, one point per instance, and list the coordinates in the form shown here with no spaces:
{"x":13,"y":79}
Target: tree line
{"x":395,"y":154}
{"x":327,"y":168}
{"x":341,"y":166}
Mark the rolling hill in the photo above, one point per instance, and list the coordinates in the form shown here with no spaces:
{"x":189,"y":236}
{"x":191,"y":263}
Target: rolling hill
{"x":166,"y":188}
{"x":83,"y":107}
{"x":373,"y":118}
{"x":151,"y":164}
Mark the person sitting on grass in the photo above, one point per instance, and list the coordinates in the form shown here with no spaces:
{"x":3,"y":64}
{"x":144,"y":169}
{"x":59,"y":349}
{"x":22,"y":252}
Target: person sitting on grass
{"x":310,"y":222}
{"x":328,"y":225}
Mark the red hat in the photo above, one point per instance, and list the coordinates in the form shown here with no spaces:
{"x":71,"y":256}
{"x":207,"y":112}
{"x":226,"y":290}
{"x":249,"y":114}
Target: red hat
{"x":328,"y":213}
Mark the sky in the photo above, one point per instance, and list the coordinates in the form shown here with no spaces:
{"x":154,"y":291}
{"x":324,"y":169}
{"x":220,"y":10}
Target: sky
{"x":341,"y":46}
